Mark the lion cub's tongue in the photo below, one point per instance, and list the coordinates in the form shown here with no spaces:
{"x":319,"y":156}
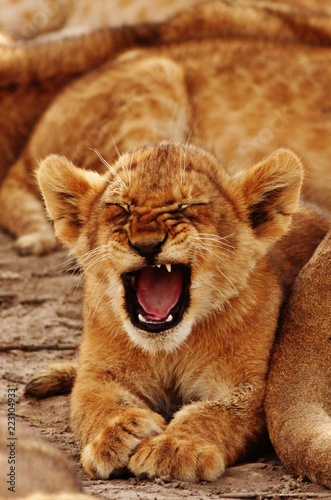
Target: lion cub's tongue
{"x":158,"y":291}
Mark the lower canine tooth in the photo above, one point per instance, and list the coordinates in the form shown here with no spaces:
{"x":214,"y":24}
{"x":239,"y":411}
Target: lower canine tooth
{"x":169,"y":318}
{"x":141,"y":318}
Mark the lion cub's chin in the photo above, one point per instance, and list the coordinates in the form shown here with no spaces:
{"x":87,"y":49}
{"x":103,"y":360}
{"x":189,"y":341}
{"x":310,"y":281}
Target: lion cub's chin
{"x":165,"y":341}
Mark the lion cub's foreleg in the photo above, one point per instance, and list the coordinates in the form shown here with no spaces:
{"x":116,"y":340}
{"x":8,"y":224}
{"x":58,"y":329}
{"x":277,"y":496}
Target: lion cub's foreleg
{"x":203,"y":438}
{"x":119,"y":431}
{"x":111,"y":422}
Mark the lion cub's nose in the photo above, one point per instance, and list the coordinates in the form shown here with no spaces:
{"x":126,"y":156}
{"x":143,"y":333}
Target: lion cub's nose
{"x":149,"y":250}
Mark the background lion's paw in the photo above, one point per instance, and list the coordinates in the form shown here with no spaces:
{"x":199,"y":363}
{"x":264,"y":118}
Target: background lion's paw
{"x":37,"y":243}
{"x":110,"y":451}
{"x":186,"y":459}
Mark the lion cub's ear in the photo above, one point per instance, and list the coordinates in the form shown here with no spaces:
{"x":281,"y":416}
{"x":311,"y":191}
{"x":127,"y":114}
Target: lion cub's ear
{"x":272,"y":190}
{"x":68,"y":192}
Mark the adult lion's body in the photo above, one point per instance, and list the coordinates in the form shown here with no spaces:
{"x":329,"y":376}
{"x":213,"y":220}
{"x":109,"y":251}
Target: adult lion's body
{"x":33,"y":74}
{"x":25,"y":19}
{"x":298,"y":396}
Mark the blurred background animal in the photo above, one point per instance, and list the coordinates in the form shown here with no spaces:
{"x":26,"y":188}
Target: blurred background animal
{"x":40,"y":471}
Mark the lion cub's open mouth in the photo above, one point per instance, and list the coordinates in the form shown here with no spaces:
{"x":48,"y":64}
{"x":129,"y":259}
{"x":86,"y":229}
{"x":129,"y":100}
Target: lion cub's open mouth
{"x":157,"y":296}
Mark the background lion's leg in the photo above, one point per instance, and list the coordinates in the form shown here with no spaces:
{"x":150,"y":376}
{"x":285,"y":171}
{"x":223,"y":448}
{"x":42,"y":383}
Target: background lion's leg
{"x":22,"y":213}
{"x":298,"y":401}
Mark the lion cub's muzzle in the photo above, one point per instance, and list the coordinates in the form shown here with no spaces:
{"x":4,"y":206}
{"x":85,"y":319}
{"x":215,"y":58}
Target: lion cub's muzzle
{"x":157,"y":296}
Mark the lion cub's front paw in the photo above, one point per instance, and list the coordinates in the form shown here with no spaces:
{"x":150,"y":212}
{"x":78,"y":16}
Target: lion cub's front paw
{"x":187,"y":459}
{"x":110,"y":451}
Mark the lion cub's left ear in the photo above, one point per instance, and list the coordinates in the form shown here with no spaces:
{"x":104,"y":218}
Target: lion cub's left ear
{"x":272,"y":191}
{"x":68,"y":192}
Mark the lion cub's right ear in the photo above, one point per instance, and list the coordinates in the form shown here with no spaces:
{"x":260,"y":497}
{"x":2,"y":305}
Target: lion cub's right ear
{"x":272,"y":191}
{"x":68,"y":192}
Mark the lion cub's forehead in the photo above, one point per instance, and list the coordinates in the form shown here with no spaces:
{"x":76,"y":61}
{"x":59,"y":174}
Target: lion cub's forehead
{"x":167,"y":174}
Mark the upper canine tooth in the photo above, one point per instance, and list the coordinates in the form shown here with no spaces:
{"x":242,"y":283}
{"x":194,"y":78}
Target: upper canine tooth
{"x":168,"y":266}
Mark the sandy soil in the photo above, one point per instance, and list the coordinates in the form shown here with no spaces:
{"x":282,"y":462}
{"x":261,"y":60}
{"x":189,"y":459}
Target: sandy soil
{"x":40,"y":311}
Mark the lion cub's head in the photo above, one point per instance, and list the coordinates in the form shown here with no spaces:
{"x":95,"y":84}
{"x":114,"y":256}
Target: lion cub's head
{"x":165,"y":235}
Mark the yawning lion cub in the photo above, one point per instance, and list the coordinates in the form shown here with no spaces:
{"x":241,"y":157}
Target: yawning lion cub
{"x":181,"y":303}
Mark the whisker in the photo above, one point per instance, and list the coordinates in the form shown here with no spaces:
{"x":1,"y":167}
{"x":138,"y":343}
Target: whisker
{"x":95,"y":303}
{"x":183,"y":167}
{"x":214,"y":244}
{"x":128,"y":168}
{"x":115,"y":146}
{"x":62,"y":267}
{"x":228,"y":279}
{"x":224,"y":276}
{"x":201,"y":248}
{"x":219,"y":256}
{"x":223,"y":240}
{"x":109,"y":167}
{"x":94,"y":257}
{"x":116,"y":187}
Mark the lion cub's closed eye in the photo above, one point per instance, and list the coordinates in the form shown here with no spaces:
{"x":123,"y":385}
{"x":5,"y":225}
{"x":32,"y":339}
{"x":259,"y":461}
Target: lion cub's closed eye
{"x":181,"y":304}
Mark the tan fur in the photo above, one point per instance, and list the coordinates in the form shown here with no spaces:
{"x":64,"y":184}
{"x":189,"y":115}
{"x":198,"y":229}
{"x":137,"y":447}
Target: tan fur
{"x":240,"y":97}
{"x":42,"y":472}
{"x":185,"y":400}
{"x":32,"y":74}
{"x":30,"y":18}
{"x":235,"y":100}
{"x":25,"y":19}
{"x":58,"y":381}
{"x":56,"y":496}
{"x":298,"y":402}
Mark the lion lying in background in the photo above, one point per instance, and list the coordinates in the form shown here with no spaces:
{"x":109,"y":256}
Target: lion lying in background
{"x":41,"y":471}
{"x":298,"y":401}
{"x":26,"y":19}
{"x":32,"y":74}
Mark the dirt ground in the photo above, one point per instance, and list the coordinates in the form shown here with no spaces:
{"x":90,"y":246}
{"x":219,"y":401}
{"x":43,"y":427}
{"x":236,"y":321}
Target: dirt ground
{"x":40,"y":311}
